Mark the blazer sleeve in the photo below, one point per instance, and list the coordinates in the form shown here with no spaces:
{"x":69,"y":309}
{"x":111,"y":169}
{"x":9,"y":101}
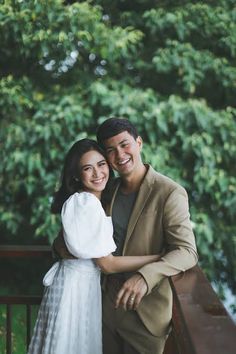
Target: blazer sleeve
{"x":181,"y":253}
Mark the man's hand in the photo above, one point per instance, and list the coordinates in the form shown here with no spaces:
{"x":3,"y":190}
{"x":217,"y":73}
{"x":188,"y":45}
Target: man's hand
{"x":59,"y":247}
{"x":131,"y":293}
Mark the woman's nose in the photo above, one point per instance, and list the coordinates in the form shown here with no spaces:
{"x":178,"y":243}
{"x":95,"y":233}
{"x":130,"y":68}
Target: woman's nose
{"x":95,"y":172}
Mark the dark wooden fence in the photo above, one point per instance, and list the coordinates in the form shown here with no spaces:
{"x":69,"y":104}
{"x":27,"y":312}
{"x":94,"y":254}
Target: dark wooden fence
{"x":201,"y":325}
{"x":13,"y":252}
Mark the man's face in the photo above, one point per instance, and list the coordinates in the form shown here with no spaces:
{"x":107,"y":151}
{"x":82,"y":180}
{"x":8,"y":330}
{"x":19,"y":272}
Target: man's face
{"x":123,"y":153}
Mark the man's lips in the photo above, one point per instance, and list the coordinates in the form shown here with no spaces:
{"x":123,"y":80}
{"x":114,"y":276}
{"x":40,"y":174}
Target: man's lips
{"x":123,"y":162}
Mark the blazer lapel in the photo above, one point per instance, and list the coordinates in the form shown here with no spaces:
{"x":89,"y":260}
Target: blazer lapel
{"x":140,"y":203}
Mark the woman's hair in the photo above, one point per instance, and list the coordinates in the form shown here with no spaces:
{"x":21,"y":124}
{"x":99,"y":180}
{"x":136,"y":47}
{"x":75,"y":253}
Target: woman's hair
{"x":113,"y":126}
{"x":70,"y":178}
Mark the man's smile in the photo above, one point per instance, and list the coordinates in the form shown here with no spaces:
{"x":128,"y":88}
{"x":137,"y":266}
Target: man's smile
{"x":123,"y":162}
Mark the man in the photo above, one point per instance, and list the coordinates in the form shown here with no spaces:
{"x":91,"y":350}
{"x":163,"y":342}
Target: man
{"x":150,"y":215}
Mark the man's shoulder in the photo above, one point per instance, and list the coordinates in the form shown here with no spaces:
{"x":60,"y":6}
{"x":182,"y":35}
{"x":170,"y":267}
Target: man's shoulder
{"x":161,"y":181}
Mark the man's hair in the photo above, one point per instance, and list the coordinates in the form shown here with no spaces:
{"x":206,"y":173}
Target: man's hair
{"x":114,"y":126}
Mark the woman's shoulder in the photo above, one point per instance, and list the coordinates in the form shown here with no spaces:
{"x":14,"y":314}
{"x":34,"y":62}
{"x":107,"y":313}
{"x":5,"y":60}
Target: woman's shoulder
{"x":80,"y":201}
{"x":83,"y":198}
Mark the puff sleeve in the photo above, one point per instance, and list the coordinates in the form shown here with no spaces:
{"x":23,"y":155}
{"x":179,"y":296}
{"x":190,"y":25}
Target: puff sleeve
{"x":88,"y":232}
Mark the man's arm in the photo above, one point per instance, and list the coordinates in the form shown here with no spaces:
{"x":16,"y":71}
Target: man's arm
{"x":59,"y":247}
{"x":181,"y":253}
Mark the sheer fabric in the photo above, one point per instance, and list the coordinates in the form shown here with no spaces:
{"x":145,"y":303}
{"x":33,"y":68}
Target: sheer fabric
{"x":69,"y":319}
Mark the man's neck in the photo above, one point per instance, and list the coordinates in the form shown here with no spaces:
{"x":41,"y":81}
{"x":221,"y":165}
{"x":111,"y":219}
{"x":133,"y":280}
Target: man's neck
{"x":131,"y":183}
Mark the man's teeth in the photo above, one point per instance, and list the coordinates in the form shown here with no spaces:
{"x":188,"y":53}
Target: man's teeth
{"x":123,"y":162}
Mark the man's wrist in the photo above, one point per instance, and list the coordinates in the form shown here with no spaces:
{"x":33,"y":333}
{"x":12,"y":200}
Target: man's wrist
{"x":145,"y":281}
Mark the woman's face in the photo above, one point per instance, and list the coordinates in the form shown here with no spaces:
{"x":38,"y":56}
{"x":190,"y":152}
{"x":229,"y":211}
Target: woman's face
{"x":94,"y":172}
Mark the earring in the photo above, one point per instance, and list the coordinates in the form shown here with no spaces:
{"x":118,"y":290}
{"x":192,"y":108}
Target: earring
{"x":76,"y":179}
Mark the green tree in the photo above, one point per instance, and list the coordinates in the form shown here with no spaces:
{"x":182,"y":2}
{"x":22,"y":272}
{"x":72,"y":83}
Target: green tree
{"x":169,"y":66}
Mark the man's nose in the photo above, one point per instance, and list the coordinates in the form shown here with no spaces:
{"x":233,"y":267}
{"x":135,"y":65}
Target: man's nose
{"x":119,"y":153}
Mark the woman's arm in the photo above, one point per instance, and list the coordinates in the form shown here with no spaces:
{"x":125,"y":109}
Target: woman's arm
{"x":116,"y":264}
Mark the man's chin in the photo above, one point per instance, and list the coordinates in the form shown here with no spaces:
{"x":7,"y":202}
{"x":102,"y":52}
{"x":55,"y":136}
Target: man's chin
{"x":123,"y":169}
{"x":124,"y":172}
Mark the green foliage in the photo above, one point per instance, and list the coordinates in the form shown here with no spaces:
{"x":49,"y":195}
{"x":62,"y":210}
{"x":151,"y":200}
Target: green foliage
{"x":169,"y":68}
{"x":192,"y":66}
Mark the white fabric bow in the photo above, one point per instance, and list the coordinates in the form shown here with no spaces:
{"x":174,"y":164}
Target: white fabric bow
{"x":49,"y":276}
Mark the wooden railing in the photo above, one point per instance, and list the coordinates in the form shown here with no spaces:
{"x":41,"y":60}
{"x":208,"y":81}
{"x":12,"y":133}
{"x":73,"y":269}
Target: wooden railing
{"x":11,"y":251}
{"x":28,"y":302}
{"x":201,"y":325}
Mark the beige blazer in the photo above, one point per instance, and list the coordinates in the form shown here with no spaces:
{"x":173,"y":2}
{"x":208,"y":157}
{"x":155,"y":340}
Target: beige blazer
{"x":159,"y":222}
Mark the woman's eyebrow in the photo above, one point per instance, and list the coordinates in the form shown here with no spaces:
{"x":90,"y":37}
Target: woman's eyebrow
{"x":87,"y":165}
{"x":90,"y":165}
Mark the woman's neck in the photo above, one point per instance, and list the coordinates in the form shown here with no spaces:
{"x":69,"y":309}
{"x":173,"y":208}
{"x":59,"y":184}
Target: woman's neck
{"x":97,"y":194}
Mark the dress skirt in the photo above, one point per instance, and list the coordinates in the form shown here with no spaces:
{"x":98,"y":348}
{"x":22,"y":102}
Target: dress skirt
{"x":70,"y":316}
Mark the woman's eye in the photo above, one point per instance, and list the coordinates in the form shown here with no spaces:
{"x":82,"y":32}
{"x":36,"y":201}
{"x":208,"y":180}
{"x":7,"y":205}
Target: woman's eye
{"x":102,"y":165}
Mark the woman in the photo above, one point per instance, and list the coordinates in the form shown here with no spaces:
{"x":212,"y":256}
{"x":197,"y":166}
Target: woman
{"x":69,"y":319}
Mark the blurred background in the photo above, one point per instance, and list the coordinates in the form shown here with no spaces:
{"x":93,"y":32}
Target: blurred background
{"x":168,"y":66}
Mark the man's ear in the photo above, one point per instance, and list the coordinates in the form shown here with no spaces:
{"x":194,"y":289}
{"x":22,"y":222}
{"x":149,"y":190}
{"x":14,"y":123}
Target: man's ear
{"x":139,"y":141}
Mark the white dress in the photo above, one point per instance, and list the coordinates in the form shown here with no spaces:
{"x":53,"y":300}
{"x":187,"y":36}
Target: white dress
{"x":69,"y":319}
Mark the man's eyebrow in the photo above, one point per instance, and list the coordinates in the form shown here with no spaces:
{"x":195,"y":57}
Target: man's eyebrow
{"x":121,"y":142}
